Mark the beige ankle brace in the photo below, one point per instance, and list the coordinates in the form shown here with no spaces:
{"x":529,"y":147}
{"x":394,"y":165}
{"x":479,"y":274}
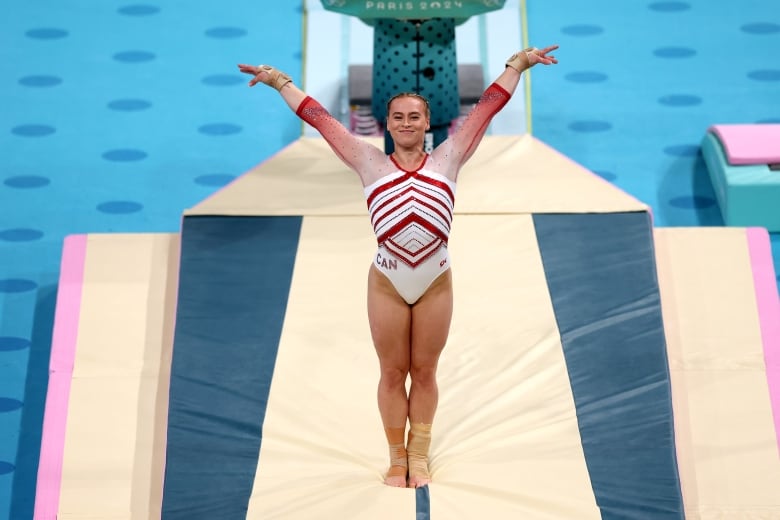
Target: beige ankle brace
{"x":395,"y":442}
{"x":398,"y":455}
{"x":417,"y":449}
{"x":520,"y":61}
{"x":276,"y":78}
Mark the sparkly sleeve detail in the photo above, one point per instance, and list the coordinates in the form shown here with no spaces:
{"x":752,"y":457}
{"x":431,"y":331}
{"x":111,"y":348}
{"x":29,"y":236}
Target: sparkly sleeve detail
{"x":470,"y":133}
{"x":355,"y":153}
{"x":312,"y":112}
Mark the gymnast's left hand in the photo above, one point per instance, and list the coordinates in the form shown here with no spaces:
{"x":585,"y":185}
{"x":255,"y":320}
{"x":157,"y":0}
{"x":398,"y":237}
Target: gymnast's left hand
{"x":542,"y":56}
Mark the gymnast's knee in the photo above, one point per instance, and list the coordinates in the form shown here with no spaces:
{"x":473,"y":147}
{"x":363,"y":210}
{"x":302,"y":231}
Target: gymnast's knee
{"x":423,"y":375}
{"x":394,"y":377}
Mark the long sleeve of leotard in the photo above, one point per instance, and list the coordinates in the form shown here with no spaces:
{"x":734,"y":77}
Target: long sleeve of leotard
{"x":467,"y":137}
{"x":352,"y":150}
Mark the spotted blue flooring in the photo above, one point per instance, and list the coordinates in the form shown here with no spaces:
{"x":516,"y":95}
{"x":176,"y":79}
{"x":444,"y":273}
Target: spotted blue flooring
{"x":640,"y":83}
{"x":115,"y":116}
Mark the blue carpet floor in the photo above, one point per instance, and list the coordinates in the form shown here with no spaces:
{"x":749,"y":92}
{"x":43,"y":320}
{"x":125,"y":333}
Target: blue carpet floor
{"x":116,"y":116}
{"x":640,"y":83}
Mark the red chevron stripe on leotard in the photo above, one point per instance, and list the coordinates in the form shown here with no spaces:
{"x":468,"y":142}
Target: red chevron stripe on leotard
{"x":412,"y":213}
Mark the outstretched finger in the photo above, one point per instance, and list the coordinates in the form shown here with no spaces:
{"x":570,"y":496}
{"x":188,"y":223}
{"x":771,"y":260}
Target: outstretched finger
{"x":254,"y":81}
{"x":248,"y":69}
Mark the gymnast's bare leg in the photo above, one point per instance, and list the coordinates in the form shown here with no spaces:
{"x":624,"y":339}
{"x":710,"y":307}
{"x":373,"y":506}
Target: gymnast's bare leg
{"x":408,"y":340}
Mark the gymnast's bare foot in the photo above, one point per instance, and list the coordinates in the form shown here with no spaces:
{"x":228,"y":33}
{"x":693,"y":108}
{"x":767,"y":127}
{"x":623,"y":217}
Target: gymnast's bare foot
{"x":396,"y":476}
{"x":417,"y":454}
{"x":418,"y":481}
{"x":419,"y":475}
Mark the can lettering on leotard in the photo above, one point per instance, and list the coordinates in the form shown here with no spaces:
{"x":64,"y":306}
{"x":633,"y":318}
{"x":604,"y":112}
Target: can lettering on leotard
{"x":387,"y":263}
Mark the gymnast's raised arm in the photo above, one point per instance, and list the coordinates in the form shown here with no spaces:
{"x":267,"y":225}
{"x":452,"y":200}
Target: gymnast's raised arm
{"x":464,"y":142}
{"x":355,"y":152}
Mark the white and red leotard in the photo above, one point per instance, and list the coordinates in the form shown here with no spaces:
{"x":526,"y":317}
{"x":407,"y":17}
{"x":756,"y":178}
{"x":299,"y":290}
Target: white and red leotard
{"x":411,"y":211}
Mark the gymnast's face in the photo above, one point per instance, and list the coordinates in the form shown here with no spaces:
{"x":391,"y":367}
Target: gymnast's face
{"x":407,"y":121}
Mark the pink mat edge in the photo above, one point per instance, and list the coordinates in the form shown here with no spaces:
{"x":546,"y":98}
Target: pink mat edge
{"x":63,"y":351}
{"x":720,"y":132}
{"x":768,"y":304}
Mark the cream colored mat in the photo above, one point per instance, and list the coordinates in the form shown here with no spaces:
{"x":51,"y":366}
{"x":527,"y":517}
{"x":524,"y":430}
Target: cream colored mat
{"x":115,"y":438}
{"x":507,"y":174}
{"x":505,"y":439}
{"x":726,"y":443}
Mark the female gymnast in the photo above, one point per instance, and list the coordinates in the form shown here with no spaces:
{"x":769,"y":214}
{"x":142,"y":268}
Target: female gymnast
{"x":410,"y":196}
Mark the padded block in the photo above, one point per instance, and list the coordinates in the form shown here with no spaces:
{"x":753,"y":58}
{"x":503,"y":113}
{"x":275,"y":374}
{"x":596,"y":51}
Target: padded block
{"x":749,"y":143}
{"x":748,"y":195}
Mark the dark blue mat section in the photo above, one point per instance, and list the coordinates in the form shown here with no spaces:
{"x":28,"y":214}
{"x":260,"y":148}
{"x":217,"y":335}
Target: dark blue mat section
{"x":422,"y":497}
{"x":235,"y":276}
{"x":600,"y":271}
